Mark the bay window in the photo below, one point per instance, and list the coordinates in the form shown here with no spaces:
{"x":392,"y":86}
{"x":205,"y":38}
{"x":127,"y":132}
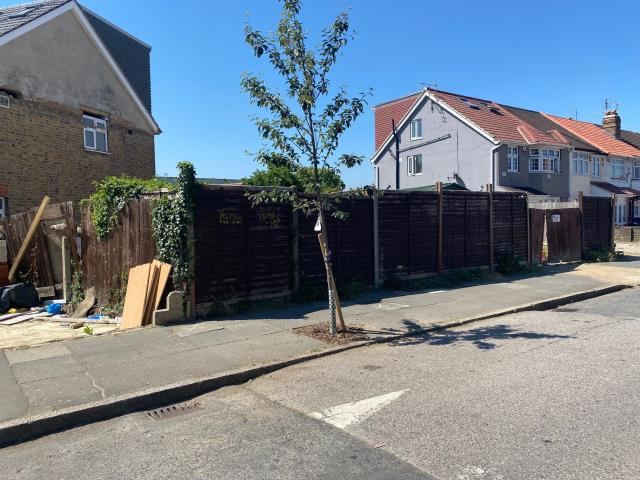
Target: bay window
{"x":544,"y":160}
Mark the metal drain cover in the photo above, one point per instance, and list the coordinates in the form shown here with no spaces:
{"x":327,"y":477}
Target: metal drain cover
{"x":172,"y":411}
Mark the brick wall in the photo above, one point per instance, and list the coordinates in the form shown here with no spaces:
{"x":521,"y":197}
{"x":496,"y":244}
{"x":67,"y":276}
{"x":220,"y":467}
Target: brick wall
{"x":42,"y":152}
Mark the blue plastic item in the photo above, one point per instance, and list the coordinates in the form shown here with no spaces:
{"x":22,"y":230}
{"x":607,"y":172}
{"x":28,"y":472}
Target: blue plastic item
{"x":54,"y":308}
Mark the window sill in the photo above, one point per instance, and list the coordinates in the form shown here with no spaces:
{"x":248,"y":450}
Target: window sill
{"x":415,"y":174}
{"x":97,"y":152}
{"x":542,"y":171}
{"x":416,"y":138}
{"x":513,"y":171}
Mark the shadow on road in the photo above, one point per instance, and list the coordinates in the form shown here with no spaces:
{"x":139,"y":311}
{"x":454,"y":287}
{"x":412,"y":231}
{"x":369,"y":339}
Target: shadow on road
{"x":482,"y":337}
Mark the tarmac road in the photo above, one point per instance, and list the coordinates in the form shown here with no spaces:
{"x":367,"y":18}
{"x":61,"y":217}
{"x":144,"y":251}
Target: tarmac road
{"x":536,"y":395}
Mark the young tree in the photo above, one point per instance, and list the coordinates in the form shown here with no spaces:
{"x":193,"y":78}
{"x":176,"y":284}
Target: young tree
{"x":304,"y":123}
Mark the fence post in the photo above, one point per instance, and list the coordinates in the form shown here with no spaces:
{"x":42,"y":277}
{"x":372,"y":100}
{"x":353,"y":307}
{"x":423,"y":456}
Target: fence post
{"x":376,"y":243}
{"x":440,"y":199}
{"x":613,"y":222}
{"x":295,"y":252}
{"x":490,"y":192}
{"x":581,"y":207}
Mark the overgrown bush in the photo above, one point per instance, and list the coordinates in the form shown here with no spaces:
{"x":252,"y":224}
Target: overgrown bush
{"x":111,"y":196}
{"x":116,"y":296}
{"x":602,"y":254}
{"x":510,"y":264}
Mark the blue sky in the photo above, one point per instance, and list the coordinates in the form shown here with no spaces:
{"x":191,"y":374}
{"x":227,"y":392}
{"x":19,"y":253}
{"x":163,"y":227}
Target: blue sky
{"x":555,"y":56}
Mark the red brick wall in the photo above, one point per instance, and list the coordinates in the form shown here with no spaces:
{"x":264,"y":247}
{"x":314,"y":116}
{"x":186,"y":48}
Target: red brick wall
{"x":42,"y":153}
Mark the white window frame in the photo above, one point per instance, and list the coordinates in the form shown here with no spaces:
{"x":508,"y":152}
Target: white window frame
{"x":621,"y":213}
{"x":100,"y":125}
{"x":513,"y":160}
{"x":540,"y":156}
{"x":580,"y":162}
{"x":636,"y":169}
{"x":3,"y":207}
{"x":617,"y":164}
{"x":411,"y":165}
{"x":597,"y":163}
{"x":415,"y":125}
{"x":5,"y":101}
{"x":636,"y":209}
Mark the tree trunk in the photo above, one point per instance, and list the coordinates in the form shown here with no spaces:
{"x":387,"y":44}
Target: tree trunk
{"x":327,"y":264}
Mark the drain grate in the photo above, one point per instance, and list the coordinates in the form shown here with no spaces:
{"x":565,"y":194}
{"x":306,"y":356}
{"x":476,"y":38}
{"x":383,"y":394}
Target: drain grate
{"x":567,"y":310}
{"x":173,"y":411}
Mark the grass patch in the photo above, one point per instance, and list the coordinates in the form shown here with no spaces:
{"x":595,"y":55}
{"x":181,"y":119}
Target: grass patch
{"x":603,"y":254}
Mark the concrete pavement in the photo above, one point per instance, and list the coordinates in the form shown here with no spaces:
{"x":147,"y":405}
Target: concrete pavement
{"x":534,"y":395}
{"x":48,"y":379}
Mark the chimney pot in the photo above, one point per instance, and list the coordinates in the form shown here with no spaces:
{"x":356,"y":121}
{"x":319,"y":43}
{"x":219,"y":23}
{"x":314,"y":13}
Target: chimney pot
{"x":611,"y":123}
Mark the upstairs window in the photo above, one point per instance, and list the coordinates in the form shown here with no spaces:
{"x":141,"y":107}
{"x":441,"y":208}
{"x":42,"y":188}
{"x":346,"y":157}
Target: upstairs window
{"x":580,"y":163}
{"x":544,"y":160}
{"x":416,"y":129}
{"x":617,"y":168}
{"x":513,"y":162}
{"x":596,"y":166}
{"x":95,"y":133}
{"x":3,"y":207}
{"x":414,"y":165}
{"x":636,"y":169}
{"x":4,"y":101}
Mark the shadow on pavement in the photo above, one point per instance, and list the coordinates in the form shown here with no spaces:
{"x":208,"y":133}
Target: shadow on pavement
{"x":482,"y":337}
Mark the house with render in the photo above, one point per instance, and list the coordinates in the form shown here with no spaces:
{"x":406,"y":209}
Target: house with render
{"x":436,"y":136}
{"x":75,"y":103}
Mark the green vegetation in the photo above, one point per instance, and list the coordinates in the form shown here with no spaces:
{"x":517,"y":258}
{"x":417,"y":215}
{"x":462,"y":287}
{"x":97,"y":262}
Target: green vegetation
{"x":510,"y":264}
{"x":301,"y":178}
{"x":113,"y":193}
{"x":602,"y":254}
{"x":115,"y":296}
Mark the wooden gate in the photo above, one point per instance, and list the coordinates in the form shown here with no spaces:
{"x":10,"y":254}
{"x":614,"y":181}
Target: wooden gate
{"x":564,"y":235}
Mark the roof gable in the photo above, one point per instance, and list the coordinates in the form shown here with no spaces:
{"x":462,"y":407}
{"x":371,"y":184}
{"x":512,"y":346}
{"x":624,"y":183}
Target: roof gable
{"x":391,"y":111}
{"x":42,"y":12}
{"x":596,"y":135}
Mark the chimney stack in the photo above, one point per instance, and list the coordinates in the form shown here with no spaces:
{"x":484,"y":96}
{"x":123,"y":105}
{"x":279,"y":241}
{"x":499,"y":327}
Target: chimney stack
{"x":611,"y":123}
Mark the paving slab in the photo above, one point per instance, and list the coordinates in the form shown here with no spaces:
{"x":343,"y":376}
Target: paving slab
{"x":54,"y":393}
{"x":45,"y":368}
{"x":49,"y":350}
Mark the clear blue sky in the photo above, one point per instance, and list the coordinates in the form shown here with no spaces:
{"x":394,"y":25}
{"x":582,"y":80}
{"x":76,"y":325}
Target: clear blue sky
{"x":549,"y":55}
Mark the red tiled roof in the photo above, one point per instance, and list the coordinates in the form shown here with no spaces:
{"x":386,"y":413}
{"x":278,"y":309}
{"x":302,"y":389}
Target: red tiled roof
{"x":489,"y":116}
{"x":385,"y":113}
{"x":610,"y":187}
{"x":494,"y":119}
{"x":597,"y":136}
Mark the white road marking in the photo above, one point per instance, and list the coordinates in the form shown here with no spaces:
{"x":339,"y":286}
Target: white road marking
{"x":347,"y":414}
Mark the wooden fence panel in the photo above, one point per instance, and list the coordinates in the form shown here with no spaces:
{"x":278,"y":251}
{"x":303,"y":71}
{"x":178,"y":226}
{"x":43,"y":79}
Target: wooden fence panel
{"x":394,"y":234}
{"x":350,"y":242}
{"x":423,"y":233}
{"x":240,"y":251}
{"x":454,"y":230}
{"x":597,"y":222}
{"x":510,"y":218}
{"x":536,"y":232}
{"x":476,"y":250}
{"x":130,"y":244}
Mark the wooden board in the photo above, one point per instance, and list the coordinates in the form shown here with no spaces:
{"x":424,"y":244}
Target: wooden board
{"x":163,"y":279}
{"x":18,"y":319}
{"x":136,"y":297}
{"x":151,"y":293}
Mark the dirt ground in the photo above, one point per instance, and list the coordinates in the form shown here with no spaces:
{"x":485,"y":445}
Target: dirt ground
{"x":36,"y":332}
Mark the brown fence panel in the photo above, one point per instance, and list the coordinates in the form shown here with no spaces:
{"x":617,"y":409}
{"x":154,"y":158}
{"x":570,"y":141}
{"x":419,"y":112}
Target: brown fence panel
{"x":465,"y":230}
{"x":536,"y":232}
{"x":510,"y":217}
{"x":129,"y":244}
{"x":350,"y":242}
{"x":423,"y":232}
{"x":240,"y":251}
{"x":597,"y":222}
{"x":394,"y":234}
{"x":564,"y":235}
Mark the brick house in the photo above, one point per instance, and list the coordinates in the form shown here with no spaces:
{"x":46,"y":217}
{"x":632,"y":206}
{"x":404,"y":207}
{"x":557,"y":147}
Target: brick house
{"x":75,"y":103}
